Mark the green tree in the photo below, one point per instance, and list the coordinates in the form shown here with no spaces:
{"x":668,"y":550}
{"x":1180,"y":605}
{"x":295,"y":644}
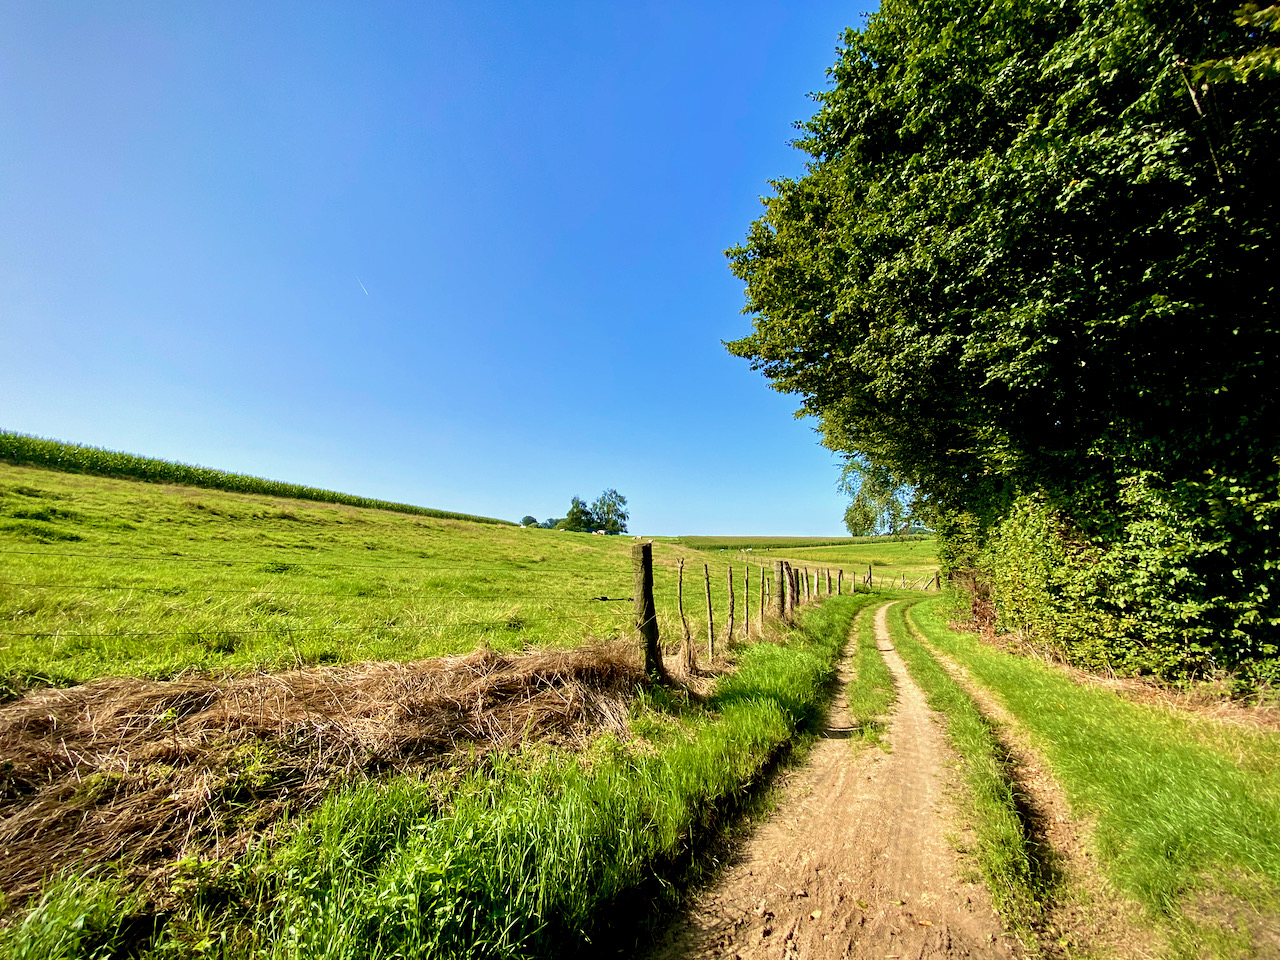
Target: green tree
{"x":877,"y":505}
{"x":610,"y":512}
{"x":580,"y":519}
{"x":528,"y":521}
{"x":1033,"y":254}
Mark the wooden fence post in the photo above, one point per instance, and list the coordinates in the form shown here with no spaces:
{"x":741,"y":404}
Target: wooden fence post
{"x":869,"y":581}
{"x":646,"y":614}
{"x":690,"y":658}
{"x":728,"y":632}
{"x":746,"y":601}
{"x":764,"y":589}
{"x":779,"y":596}
{"x":828,"y":581}
{"x":839,"y":581}
{"x":711,"y":624}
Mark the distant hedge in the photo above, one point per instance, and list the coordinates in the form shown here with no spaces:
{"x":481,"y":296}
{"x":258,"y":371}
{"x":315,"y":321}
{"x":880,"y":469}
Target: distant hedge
{"x":20,"y":449}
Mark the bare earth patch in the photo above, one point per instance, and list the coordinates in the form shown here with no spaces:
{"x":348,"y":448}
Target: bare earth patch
{"x":855,"y":861}
{"x":142,"y":771}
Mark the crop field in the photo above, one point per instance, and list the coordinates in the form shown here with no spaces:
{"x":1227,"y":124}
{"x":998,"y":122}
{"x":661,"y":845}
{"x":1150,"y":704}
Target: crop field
{"x":105,"y":576}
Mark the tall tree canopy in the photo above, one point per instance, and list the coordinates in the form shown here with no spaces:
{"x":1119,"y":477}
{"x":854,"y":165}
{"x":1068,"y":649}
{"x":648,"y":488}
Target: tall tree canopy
{"x":1033,"y":256}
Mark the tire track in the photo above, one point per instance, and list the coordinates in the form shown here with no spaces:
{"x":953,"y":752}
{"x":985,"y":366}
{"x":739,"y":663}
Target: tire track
{"x":854,"y":862}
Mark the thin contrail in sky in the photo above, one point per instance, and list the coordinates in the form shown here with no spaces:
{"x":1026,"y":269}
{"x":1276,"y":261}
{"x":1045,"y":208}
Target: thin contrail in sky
{"x":361,"y":282}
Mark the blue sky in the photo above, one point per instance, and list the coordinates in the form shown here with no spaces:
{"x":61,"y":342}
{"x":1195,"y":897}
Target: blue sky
{"x":535,"y":196}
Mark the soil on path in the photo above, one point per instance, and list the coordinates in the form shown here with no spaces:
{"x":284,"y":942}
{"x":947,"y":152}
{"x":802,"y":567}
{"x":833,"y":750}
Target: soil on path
{"x":855,"y":860}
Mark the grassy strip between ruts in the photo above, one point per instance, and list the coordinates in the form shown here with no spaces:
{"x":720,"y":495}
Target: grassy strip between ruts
{"x":1187,"y":810}
{"x":870,"y":693}
{"x":1003,"y":852}
{"x":532,"y":855}
{"x":21,"y":449}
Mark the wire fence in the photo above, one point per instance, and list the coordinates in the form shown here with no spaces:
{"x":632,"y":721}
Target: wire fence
{"x":440,"y":597}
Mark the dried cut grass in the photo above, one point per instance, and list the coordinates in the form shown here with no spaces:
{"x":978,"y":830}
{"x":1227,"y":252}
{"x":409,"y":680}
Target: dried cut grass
{"x":141,"y":771}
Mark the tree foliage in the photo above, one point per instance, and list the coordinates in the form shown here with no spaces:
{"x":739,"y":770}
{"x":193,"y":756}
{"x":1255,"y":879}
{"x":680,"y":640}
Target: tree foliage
{"x":1033,"y":255}
{"x":877,"y":505}
{"x":607,"y":514}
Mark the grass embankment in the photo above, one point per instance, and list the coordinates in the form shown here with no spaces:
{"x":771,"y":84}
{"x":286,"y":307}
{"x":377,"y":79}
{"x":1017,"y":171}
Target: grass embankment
{"x":1003,"y":852}
{"x":20,"y":449}
{"x":1187,"y":810}
{"x":537,"y":854}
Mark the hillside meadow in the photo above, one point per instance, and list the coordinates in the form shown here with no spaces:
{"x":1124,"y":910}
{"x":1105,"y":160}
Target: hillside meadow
{"x":104,"y":576}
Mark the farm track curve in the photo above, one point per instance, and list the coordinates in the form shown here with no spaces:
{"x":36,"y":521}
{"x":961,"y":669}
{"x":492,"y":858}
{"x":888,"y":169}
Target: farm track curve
{"x":854,"y":862}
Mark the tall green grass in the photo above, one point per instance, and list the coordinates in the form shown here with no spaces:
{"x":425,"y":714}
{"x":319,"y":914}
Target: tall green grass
{"x":21,"y":449}
{"x":1178,"y":802}
{"x":75,"y":917}
{"x":1004,"y":853}
{"x":540,"y":855}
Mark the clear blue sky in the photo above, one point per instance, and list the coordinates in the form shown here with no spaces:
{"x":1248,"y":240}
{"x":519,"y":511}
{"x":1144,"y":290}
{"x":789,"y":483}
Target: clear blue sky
{"x":535,"y":196}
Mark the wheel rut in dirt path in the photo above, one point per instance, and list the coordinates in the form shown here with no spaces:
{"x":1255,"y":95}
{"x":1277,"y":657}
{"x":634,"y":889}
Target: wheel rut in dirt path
{"x":855,"y":861}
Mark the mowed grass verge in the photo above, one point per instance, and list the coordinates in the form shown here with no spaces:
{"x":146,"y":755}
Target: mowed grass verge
{"x":1186,"y":809}
{"x":535,"y":854}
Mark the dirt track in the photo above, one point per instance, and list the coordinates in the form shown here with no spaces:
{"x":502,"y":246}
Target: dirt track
{"x":855,"y":860}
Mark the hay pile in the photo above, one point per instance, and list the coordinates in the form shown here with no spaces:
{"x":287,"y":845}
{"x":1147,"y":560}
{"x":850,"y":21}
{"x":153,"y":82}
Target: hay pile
{"x":142,"y":772}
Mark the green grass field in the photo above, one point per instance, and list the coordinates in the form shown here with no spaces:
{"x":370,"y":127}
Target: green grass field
{"x":889,"y":559}
{"x":102,"y":576}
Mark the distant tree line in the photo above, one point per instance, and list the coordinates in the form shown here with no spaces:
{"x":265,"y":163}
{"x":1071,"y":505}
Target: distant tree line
{"x":608,"y":515}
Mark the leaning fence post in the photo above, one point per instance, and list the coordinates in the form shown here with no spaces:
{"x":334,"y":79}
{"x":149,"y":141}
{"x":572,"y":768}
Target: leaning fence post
{"x":711,"y":625}
{"x":646,"y":614}
{"x":728,"y":633}
{"x":690,"y":658}
{"x":870,"y":583}
{"x":779,"y":591}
